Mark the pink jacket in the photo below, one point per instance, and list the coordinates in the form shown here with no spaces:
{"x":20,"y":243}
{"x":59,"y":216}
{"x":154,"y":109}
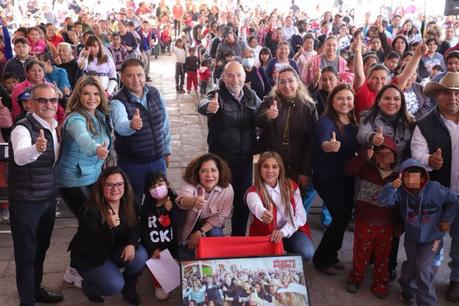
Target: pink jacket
{"x":5,"y":121}
{"x":314,"y":67}
{"x":218,"y":208}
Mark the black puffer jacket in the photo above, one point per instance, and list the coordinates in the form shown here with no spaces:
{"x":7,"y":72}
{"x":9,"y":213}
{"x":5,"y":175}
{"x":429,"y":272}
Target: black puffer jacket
{"x":232,"y":128}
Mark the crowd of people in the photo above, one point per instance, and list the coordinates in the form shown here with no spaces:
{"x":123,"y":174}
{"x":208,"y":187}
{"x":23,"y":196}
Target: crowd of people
{"x":238,"y":284}
{"x":365,"y":115}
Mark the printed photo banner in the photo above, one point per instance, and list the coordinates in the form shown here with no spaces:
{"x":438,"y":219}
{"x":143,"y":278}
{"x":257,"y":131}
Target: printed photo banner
{"x":274,"y":280}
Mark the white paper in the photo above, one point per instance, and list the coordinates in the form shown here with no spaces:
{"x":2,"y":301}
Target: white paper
{"x":166,"y":270}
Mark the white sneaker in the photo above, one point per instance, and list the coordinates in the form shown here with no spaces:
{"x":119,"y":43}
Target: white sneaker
{"x":71,"y":276}
{"x":160,"y":294}
{"x":4,"y":215}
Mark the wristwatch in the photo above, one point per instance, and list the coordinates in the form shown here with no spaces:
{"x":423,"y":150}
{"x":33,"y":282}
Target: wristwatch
{"x":203,"y":234}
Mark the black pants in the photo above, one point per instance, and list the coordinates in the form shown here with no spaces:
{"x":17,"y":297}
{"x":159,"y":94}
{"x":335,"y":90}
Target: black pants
{"x":241,"y":172}
{"x":176,"y":28}
{"x":203,"y":87}
{"x":75,"y":197}
{"x":338,"y":193}
{"x":394,"y":253}
{"x":32,"y":224}
{"x":179,"y":75}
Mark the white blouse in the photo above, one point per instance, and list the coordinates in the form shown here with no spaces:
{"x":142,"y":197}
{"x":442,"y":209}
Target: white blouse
{"x":283,"y":221}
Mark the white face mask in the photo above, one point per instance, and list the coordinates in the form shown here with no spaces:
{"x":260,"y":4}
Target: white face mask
{"x":159,"y":192}
{"x":248,"y":62}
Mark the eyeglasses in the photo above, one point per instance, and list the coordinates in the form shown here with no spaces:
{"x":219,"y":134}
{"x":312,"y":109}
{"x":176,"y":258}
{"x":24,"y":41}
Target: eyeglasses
{"x":45,"y":100}
{"x":114,"y":185}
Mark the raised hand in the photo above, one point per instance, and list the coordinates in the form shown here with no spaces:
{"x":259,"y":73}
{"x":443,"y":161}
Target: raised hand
{"x":102,"y":151}
{"x":436,"y":160}
{"x":378,"y":138}
{"x":136,"y":121}
{"x":267,"y":217}
{"x":397,"y":182}
{"x":113,"y":220}
{"x":272,"y":112}
{"x":168,"y":204}
{"x":370,"y":152}
{"x":41,"y":143}
{"x":199,"y":202}
{"x":213,"y":105}
{"x":333,"y":144}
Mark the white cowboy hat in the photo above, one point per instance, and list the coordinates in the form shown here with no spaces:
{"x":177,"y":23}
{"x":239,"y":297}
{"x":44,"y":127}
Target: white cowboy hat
{"x":449,"y":81}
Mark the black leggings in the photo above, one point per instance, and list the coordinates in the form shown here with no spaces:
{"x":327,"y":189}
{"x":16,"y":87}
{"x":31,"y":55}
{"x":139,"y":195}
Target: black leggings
{"x":75,"y":197}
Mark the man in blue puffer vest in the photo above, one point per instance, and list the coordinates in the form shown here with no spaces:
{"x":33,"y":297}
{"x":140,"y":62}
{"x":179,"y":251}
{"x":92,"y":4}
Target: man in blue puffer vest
{"x":141,"y":127}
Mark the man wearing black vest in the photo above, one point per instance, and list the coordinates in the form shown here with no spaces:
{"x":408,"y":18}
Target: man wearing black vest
{"x":34,"y":148}
{"x":230,"y":112}
{"x":141,"y":127}
{"x":435,"y":144}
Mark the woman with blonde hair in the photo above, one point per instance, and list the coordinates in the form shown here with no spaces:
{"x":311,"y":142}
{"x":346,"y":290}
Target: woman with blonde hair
{"x":286,"y":119}
{"x":85,"y":143}
{"x":276,"y":207}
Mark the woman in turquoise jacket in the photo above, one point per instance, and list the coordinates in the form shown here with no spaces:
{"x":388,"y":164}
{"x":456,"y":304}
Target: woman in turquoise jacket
{"x":85,"y":143}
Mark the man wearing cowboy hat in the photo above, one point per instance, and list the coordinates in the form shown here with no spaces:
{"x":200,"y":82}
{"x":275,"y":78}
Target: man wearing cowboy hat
{"x":435,"y":143}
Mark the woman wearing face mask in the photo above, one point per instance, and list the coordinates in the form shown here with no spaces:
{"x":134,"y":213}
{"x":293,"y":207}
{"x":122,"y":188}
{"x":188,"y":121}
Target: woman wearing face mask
{"x":207,"y":196}
{"x":255,"y":76}
{"x":159,"y":218}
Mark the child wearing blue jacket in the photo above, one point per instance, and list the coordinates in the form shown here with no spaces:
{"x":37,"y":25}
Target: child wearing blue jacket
{"x":428,"y":209}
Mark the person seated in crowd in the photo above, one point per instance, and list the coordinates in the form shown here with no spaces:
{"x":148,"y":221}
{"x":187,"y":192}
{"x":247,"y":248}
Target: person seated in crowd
{"x":16,"y":64}
{"x":67,"y":61}
{"x":207,"y":197}
{"x":277,"y":209}
{"x":56,"y":75}
{"x":107,"y":239}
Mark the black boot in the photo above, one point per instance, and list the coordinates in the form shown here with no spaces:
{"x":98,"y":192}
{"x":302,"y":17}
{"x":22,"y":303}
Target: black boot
{"x":129,"y":290}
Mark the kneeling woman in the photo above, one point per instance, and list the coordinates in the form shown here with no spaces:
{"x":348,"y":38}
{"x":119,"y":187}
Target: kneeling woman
{"x":108,"y":239}
{"x":277,"y":209}
{"x":207,"y":198}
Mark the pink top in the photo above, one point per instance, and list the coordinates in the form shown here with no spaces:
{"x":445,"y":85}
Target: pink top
{"x":5,"y":121}
{"x":39,"y":47}
{"x":216,"y":211}
{"x":315,"y":65}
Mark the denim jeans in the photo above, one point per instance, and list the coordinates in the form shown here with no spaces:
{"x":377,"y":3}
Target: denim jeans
{"x":300,"y":244}
{"x":185,"y":254}
{"x":32,"y":224}
{"x":107,"y":280}
{"x":138,"y":173}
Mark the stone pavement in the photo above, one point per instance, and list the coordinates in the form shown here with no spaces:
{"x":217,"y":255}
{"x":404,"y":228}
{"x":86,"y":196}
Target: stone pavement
{"x":189,"y":140}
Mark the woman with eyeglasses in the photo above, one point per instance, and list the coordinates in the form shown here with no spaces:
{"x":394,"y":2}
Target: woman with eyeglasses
{"x":35,"y":74}
{"x":207,"y":196}
{"x":108,"y":239}
{"x":286,"y":119}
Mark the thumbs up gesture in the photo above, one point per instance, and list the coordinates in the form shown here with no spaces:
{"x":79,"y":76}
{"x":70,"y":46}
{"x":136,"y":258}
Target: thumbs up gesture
{"x":272,"y":111}
{"x":267,"y":217}
{"x":198,"y":201}
{"x":41,"y":143}
{"x":168,"y":204}
{"x":397,"y":182}
{"x":113,"y":220}
{"x":102,"y":151}
{"x":436,"y":160}
{"x":334,"y":144}
{"x":136,"y":121}
{"x":213,"y":105}
{"x":378,"y":138}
